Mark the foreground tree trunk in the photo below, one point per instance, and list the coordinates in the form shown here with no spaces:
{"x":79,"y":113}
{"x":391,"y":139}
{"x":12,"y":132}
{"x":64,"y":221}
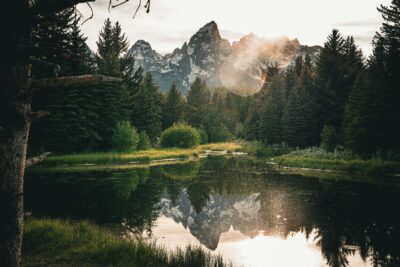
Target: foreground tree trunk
{"x":15,"y":113}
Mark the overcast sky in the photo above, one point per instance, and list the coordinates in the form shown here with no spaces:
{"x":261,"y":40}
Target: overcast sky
{"x":172,"y":22}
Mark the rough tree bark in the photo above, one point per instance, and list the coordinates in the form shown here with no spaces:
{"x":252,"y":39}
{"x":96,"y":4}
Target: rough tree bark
{"x":15,"y":111}
{"x":16,"y":115}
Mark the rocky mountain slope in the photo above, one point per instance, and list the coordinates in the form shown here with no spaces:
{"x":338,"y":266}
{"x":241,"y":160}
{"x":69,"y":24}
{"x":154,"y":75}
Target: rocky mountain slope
{"x":237,"y":67}
{"x":217,"y":216}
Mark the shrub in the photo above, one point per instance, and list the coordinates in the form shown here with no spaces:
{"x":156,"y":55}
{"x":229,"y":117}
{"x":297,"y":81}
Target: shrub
{"x":144,"y":141}
{"x":124,"y":137}
{"x":328,"y":138}
{"x":180,"y":135}
{"x":203,"y":136}
{"x":220,"y":133}
{"x":272,"y":150}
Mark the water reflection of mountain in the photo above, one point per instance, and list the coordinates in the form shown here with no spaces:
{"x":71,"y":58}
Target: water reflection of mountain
{"x":216,"y":217}
{"x":346,"y":216}
{"x":209,"y":196}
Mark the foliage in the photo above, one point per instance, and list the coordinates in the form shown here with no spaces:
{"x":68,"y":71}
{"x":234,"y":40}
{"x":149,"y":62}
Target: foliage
{"x":147,"y":103}
{"x":173,"y":108}
{"x":219,"y":133}
{"x":111,"y":45}
{"x":272,"y":150}
{"x":81,"y":118}
{"x":144,"y":142}
{"x":328,"y":138}
{"x":203,"y":136}
{"x":140,"y":156}
{"x":125,"y":137}
{"x":180,"y":135}
{"x":316,"y":158}
{"x":198,"y":101}
{"x":59,"y":48}
{"x":54,"y":242}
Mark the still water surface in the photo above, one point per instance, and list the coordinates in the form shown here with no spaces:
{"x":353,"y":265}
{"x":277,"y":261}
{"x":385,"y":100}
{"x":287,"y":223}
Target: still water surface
{"x":232,"y":206}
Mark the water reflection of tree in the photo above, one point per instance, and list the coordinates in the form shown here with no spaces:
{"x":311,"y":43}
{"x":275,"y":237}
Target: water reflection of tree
{"x":346,"y":216}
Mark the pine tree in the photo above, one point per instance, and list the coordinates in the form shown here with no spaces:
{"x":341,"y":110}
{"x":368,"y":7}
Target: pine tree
{"x":330,"y":79}
{"x":111,"y":46}
{"x":51,"y":44}
{"x":81,"y":59}
{"x":372,"y":116}
{"x":358,"y":121}
{"x":271,"y":115}
{"x":198,"y":99}
{"x":390,"y":40}
{"x":147,"y":108}
{"x":173,"y":108}
{"x":300,"y":116}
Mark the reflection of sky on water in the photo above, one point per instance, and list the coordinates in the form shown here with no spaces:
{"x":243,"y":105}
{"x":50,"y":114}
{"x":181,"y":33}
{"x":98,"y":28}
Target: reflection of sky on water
{"x":233,"y":207}
{"x":259,"y":251}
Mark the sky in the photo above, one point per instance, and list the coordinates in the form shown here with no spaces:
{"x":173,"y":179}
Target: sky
{"x":172,"y":22}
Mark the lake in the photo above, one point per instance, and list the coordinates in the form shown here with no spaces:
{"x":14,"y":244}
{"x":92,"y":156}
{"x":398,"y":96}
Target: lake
{"x":233,"y":206}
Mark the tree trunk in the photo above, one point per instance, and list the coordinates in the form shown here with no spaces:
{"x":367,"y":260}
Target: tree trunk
{"x":15,"y":111}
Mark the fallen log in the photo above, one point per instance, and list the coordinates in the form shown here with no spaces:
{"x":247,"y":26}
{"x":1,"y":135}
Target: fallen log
{"x":73,"y":81}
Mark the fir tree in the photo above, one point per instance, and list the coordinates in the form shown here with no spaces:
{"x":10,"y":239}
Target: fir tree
{"x":81,"y":59}
{"x":51,"y":44}
{"x":330,"y":82}
{"x":111,"y":46}
{"x":198,"y":99}
{"x":173,"y":108}
{"x":271,"y":115}
{"x":147,"y":108}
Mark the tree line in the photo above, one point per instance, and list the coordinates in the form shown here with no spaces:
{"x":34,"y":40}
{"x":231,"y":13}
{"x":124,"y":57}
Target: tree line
{"x":342,"y":101}
{"x":83,"y":118}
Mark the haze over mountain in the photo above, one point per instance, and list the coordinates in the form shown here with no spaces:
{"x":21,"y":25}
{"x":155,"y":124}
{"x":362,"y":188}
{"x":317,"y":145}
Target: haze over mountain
{"x":238,"y":66}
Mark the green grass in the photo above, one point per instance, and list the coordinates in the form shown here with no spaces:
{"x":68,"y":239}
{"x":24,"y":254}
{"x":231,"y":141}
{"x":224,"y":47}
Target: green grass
{"x":315,"y":158}
{"x":136,"y":156}
{"x":65,"y":243}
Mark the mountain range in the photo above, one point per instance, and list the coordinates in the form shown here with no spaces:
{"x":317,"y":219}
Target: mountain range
{"x":238,"y":66}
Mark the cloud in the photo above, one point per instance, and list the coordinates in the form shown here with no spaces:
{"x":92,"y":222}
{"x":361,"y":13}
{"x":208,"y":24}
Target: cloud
{"x":231,"y":35}
{"x":365,"y":23}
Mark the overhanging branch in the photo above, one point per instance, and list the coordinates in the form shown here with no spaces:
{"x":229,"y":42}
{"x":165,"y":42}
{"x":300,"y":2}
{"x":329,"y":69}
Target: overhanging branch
{"x":74,"y":81}
{"x":35,"y":160}
{"x":44,"y":7}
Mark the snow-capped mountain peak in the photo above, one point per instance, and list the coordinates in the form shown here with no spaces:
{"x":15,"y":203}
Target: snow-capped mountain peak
{"x":237,"y":67}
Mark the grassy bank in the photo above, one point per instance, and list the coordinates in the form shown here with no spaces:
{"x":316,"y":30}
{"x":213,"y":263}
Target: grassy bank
{"x":315,"y":158}
{"x":63,"y":243}
{"x":137,"y":156}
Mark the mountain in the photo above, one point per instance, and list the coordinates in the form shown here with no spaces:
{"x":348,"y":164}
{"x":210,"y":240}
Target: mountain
{"x":238,"y":67}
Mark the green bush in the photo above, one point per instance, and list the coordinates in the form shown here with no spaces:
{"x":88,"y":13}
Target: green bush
{"x":180,"y":135}
{"x":203,"y":136}
{"x":144,"y":141}
{"x":272,"y":150}
{"x":125,"y":137}
{"x":219,"y":133}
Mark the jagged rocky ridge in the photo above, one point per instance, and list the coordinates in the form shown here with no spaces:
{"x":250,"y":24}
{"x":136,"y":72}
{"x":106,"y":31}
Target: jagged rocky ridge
{"x":237,"y":67}
{"x":217,"y":216}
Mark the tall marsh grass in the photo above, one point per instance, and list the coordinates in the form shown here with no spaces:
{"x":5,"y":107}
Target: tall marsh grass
{"x":65,"y":243}
{"x":135,"y":156}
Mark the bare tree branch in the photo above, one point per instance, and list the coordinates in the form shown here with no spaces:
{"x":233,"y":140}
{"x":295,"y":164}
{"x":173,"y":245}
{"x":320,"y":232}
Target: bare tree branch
{"x":147,"y":6}
{"x":120,"y":4}
{"x":91,"y":15}
{"x":137,"y":9}
{"x":74,"y":80}
{"x":34,"y":116}
{"x":35,"y":160}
